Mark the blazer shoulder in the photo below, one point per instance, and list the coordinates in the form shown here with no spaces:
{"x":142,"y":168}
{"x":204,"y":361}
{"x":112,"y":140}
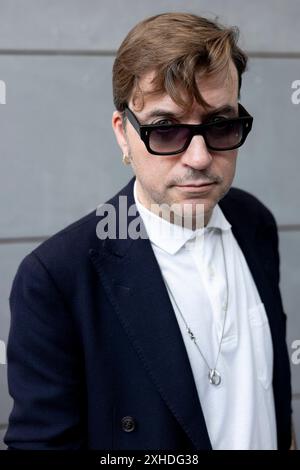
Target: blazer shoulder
{"x":72,"y":239}
{"x":61,"y":257}
{"x":80,"y":236}
{"x":67,"y":251}
{"x":246,"y":203}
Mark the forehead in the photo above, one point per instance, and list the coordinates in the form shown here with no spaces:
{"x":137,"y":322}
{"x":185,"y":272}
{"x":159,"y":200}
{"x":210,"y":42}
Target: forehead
{"x":216,"y":90}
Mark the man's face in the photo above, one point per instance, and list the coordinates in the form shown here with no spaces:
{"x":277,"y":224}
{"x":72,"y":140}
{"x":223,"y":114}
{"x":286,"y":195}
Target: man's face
{"x":173,"y":179}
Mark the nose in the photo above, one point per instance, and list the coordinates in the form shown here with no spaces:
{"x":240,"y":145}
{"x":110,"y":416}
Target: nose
{"x":197,"y":155}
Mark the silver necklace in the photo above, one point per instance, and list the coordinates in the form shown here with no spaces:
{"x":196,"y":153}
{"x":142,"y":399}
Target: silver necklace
{"x":214,"y":376}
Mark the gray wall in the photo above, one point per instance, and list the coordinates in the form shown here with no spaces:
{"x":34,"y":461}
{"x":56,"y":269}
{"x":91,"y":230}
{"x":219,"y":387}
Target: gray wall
{"x":58,"y":157}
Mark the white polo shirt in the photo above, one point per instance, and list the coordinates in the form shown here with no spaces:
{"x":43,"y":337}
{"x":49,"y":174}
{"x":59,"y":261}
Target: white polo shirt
{"x":239,"y":413}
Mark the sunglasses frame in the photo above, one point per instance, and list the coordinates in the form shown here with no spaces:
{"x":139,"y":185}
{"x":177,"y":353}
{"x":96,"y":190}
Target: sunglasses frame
{"x":144,"y":130}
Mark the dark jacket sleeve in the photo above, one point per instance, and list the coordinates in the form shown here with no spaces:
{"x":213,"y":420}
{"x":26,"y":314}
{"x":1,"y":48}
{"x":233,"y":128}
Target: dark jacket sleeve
{"x":44,"y":368}
{"x":283,"y":406}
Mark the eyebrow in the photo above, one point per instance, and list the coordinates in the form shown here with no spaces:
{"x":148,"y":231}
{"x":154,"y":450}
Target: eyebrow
{"x":225,"y":109}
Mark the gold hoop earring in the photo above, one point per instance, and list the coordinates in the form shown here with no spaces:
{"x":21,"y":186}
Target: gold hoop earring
{"x":126,"y":160}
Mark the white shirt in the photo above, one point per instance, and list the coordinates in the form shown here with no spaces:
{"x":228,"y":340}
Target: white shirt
{"x":239,"y":413}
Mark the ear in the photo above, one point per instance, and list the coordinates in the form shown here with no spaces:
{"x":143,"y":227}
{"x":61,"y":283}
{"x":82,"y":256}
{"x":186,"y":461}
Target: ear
{"x":118,"y":128}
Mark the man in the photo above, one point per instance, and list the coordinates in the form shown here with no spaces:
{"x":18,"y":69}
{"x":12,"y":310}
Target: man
{"x":173,"y":340}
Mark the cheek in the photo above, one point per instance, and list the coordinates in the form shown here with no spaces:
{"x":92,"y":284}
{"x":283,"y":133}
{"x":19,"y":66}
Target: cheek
{"x":156,"y":172}
{"x":232,"y":163}
{"x":153,"y":168}
{"x":226,"y":165}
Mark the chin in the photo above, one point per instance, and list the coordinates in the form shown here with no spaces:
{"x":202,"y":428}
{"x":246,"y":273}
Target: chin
{"x":194,"y":208}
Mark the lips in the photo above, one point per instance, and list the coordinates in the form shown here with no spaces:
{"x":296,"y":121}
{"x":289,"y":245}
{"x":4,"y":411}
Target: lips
{"x":196,"y":188}
{"x":197,"y":185}
{"x":194,"y":185}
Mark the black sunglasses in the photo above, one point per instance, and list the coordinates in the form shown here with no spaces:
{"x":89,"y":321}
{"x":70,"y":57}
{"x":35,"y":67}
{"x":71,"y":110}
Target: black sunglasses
{"x":171,"y":139}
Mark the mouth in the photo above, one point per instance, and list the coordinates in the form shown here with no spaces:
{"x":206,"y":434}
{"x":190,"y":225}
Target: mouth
{"x":196,"y":188}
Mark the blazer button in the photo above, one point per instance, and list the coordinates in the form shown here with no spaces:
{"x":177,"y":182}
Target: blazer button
{"x":128,"y":424}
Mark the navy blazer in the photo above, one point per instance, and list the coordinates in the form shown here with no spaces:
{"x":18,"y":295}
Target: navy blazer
{"x":96,"y":359}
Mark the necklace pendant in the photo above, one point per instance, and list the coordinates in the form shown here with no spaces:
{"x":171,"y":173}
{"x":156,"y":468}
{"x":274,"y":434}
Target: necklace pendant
{"x":214,"y":377}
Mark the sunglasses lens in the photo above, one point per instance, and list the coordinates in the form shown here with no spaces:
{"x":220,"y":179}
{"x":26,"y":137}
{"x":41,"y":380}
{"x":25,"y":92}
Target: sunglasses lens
{"x":168,"y":140}
{"x":224,"y":135}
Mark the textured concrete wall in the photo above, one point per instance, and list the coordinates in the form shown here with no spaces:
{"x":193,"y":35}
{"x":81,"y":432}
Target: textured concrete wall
{"x":58,"y":157}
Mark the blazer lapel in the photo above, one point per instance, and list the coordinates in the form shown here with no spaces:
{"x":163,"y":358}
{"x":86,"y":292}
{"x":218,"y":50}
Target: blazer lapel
{"x":133,"y":282}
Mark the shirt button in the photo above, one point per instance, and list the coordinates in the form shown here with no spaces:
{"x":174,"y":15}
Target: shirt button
{"x":128,"y":424}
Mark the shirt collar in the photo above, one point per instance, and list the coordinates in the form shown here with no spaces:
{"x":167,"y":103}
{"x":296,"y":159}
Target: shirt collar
{"x":171,"y":237}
